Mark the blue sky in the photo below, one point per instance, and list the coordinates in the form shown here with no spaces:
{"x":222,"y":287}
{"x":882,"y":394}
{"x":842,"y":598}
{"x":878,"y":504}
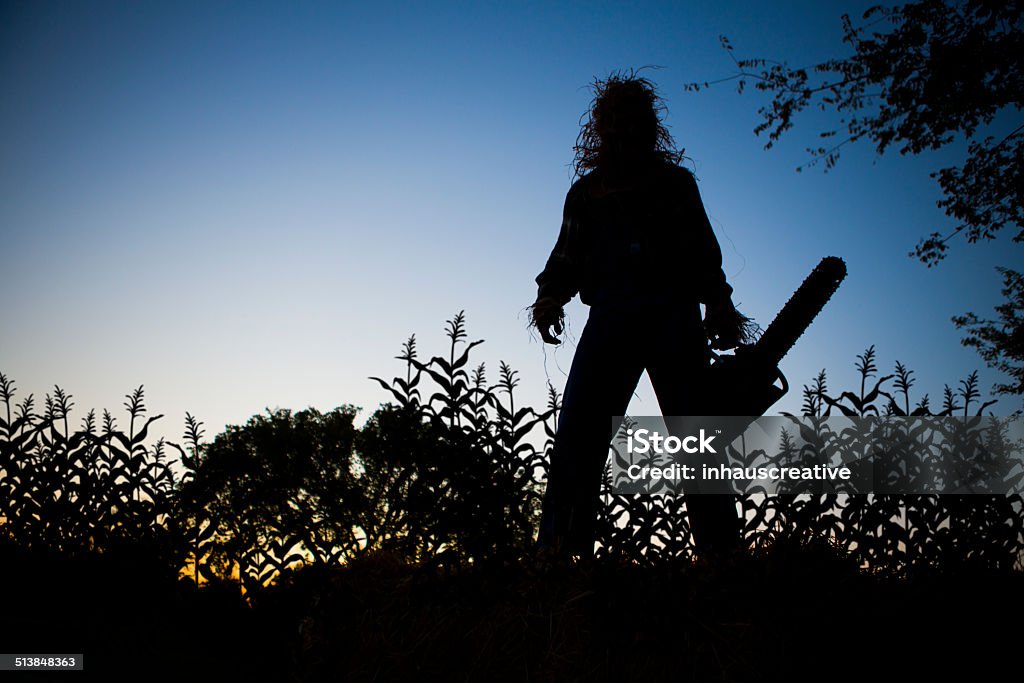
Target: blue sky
{"x":252,"y":205}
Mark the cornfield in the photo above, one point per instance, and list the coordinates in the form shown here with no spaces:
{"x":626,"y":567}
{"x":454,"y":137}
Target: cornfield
{"x":300,"y":546}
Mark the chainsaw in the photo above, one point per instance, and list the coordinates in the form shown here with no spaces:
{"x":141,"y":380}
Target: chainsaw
{"x":749,"y":382}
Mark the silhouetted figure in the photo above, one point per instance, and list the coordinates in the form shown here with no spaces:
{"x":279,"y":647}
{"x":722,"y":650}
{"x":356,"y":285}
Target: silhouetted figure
{"x":636,"y":245}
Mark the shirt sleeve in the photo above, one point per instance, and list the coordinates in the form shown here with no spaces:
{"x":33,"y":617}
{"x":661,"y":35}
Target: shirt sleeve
{"x":560,"y":278}
{"x":712,"y":287}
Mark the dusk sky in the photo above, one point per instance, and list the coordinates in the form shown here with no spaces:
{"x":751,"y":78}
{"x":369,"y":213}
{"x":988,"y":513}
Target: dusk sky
{"x":251,"y":205}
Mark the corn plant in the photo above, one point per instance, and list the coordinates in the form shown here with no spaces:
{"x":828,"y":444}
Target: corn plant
{"x":94,"y":489}
{"x":493,"y":467}
{"x":456,"y":465}
{"x":906,"y":532}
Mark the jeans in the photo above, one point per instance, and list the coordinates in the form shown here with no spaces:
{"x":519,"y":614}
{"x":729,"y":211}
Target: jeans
{"x":617,"y":345}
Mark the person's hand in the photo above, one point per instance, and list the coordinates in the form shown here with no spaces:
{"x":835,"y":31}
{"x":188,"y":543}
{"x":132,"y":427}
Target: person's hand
{"x":724,"y":326}
{"x":547,"y":315}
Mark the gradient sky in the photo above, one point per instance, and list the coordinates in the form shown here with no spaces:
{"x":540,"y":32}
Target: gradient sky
{"x":250,"y":205}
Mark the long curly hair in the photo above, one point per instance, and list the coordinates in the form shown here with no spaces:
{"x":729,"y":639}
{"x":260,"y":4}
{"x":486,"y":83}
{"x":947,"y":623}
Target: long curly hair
{"x":622,"y":124}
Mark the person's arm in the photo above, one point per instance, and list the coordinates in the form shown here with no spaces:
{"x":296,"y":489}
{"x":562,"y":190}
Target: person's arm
{"x":723,"y":323}
{"x":559,"y":281}
{"x":712,"y":288}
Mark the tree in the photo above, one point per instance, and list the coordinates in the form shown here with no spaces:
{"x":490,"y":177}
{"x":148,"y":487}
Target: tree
{"x":277,"y":490}
{"x":922,"y":76}
{"x":1001,"y":342}
{"x":310,"y":487}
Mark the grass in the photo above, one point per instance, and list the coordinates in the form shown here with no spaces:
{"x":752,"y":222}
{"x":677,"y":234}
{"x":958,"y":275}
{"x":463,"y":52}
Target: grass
{"x":793,"y":611}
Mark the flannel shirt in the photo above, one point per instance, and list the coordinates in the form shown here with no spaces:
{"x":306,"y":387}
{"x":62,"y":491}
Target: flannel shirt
{"x":641,"y":235}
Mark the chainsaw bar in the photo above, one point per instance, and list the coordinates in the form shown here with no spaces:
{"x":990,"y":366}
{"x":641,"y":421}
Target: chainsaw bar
{"x":749,"y":382}
{"x":801,"y":310}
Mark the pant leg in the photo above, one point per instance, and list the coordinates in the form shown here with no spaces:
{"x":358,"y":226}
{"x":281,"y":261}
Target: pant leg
{"x":678,"y":363}
{"x":605,"y":370}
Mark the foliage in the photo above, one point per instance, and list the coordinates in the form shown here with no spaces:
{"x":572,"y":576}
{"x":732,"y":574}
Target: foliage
{"x":1001,"y":342}
{"x":924,"y":75}
{"x":454,"y":474}
{"x":451,"y":472}
{"x":95,"y":489}
{"x":884,"y":532}
{"x":479,"y":488}
{"x":271,"y":493}
{"x":901,"y":533}
{"x":939,"y":71}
